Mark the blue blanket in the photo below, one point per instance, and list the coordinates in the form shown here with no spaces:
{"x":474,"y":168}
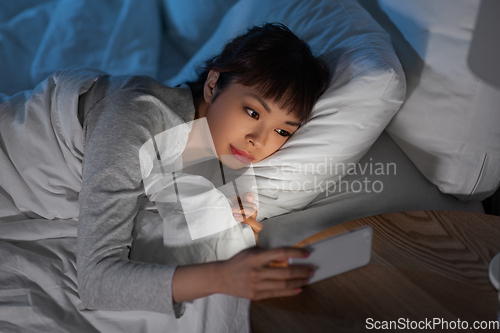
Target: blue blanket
{"x":119,"y":37}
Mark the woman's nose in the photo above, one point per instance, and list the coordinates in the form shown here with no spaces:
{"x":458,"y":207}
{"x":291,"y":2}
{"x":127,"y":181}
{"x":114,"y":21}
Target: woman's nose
{"x":258,"y":137}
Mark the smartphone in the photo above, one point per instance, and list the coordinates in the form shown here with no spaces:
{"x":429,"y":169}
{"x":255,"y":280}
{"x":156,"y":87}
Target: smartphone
{"x":338,"y":254}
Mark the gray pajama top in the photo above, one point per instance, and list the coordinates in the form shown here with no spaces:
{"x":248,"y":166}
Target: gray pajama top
{"x":119,"y":114}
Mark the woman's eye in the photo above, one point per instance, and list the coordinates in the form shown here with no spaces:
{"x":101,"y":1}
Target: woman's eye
{"x":253,"y":113}
{"x":282,"y":132}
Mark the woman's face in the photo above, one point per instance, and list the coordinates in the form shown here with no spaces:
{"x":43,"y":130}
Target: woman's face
{"x":245,"y":127}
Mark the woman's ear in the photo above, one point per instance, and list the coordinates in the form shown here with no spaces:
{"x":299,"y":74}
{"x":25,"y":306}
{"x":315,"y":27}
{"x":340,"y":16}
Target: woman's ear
{"x":209,"y":87}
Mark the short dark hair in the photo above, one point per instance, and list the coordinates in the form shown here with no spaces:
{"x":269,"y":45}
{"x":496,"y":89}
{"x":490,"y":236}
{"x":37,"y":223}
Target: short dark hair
{"x":276,"y":62}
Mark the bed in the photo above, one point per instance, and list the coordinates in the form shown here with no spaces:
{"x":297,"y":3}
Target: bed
{"x":397,"y":119}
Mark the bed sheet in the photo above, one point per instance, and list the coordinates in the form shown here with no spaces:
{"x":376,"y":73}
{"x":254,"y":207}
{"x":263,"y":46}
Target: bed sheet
{"x":38,"y":290}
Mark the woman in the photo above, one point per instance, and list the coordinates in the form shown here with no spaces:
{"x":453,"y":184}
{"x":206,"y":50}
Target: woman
{"x":253,"y":96}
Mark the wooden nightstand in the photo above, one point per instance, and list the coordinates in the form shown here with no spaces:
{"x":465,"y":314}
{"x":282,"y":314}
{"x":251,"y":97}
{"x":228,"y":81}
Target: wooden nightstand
{"x":424,"y":265}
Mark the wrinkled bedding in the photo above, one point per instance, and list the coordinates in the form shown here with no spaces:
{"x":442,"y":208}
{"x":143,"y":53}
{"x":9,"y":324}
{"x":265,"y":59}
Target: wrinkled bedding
{"x":39,"y":205}
{"x":38,"y":285}
{"x":41,"y":163}
{"x":39,"y":37}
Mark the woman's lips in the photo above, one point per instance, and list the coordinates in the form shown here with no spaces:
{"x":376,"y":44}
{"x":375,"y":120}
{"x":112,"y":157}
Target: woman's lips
{"x":241,"y":155}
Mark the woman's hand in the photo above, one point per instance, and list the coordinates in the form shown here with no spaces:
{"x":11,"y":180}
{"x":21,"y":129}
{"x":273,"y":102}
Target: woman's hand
{"x":249,"y":274}
{"x":248,"y":214}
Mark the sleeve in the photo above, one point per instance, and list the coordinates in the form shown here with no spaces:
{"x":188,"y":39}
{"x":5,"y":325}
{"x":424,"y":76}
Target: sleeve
{"x":111,"y":187}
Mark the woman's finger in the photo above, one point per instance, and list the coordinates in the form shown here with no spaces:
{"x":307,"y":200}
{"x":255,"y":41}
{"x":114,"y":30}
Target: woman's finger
{"x":267,"y":285}
{"x":240,"y":215}
{"x":281,"y":254}
{"x":238,"y":206}
{"x":254,"y":224}
{"x":240,"y":218}
{"x":249,"y":196}
{"x":276,"y":293}
{"x":248,"y":210}
{"x":246,"y":204}
{"x":287,"y":273}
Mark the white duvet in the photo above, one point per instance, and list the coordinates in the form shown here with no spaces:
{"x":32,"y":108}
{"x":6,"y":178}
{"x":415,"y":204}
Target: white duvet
{"x":41,"y":163}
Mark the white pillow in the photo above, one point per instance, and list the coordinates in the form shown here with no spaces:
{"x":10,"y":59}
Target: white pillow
{"x":449,"y":123}
{"x":366,"y":91}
